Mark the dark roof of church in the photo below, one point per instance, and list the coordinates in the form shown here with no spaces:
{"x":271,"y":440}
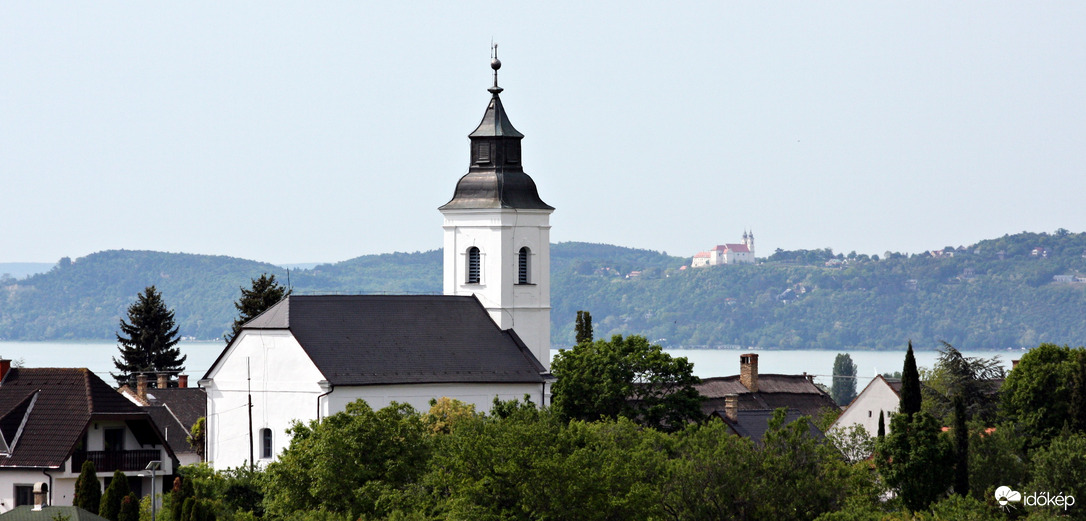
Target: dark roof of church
{"x":54,"y":406}
{"x":401,"y":339}
{"x":496,"y":177}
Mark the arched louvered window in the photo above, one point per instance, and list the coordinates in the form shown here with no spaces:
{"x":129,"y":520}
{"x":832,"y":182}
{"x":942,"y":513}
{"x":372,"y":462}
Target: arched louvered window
{"x":523,"y":266}
{"x":473,"y":265}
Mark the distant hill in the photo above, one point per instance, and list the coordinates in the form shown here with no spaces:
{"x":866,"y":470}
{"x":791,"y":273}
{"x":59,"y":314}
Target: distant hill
{"x":1017,"y":290}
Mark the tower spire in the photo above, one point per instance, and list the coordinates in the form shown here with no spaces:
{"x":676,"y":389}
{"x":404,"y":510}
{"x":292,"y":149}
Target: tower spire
{"x":495,"y":64}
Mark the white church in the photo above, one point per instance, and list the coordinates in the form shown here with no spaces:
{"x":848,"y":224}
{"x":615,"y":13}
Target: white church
{"x":488,"y":336}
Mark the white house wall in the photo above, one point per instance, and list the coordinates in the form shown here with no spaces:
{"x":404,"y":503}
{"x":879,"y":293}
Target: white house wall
{"x":864,"y":410}
{"x":284,"y":388}
{"x":419,"y":396}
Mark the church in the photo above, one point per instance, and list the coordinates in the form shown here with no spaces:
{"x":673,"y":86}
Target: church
{"x":487,"y":337}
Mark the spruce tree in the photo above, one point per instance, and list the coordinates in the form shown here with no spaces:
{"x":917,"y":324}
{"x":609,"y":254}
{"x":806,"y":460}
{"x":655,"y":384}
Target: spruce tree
{"x":148,"y":340}
{"x":844,"y":379}
{"x":88,"y":491}
{"x":882,"y":425}
{"x":584,"y":327}
{"x":264,"y":293}
{"x":115,"y":493}
{"x":910,"y":385}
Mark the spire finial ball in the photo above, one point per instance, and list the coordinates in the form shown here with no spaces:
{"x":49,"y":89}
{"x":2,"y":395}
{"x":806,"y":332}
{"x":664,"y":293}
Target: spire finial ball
{"x":495,"y":64}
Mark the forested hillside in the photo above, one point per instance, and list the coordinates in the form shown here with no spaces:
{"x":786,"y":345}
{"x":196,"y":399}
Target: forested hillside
{"x":998,"y":293}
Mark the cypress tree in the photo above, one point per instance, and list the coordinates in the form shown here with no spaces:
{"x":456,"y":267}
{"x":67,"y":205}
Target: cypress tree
{"x":186,"y":509}
{"x":1077,"y":403}
{"x":148,"y":341}
{"x":910,"y":385}
{"x":88,"y":491}
{"x":182,"y":491}
{"x":264,"y":293}
{"x":882,"y":425}
{"x":115,"y":493}
{"x":130,"y":508}
{"x":961,"y":448}
{"x":844,"y":379}
{"x":584,"y":327}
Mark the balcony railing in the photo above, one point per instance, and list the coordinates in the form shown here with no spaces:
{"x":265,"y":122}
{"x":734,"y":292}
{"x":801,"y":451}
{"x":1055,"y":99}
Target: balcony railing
{"x":111,"y":460}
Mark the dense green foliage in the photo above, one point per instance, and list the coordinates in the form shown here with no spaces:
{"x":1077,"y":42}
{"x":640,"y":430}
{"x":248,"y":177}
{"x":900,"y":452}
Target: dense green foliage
{"x":88,"y":491}
{"x":148,"y":340}
{"x":596,"y":380}
{"x":844,"y":379}
{"x":264,"y":293}
{"x":910,"y":385}
{"x":990,"y":295}
{"x":1038,"y":394}
{"x":130,"y":508}
{"x":114,"y":495}
{"x":915,"y":458}
{"x":975,"y":380}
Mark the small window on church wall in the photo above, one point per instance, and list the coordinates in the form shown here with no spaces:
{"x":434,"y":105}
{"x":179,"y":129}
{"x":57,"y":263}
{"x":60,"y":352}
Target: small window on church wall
{"x":482,"y":153}
{"x":522,"y":266}
{"x":473,"y":265}
{"x":265,"y":443}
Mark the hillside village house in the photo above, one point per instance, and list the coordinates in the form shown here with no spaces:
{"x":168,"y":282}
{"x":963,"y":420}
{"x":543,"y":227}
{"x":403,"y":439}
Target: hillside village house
{"x":727,"y":253}
{"x":487,"y":337}
{"x":54,"y":419}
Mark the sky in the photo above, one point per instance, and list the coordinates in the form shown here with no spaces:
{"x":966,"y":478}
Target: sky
{"x":293,"y":132}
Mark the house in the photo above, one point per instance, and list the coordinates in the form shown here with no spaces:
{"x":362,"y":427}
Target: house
{"x":753,"y":423}
{"x":750,"y":391}
{"x":486,"y":338}
{"x":727,"y":253}
{"x":880,"y":395}
{"x":49,"y":513}
{"x":175,"y":408}
{"x":54,"y":419}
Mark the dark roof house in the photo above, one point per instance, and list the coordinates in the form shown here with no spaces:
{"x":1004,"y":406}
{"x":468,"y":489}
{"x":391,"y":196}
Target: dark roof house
{"x":754,"y":391}
{"x":175,"y":408}
{"x":753,"y":423}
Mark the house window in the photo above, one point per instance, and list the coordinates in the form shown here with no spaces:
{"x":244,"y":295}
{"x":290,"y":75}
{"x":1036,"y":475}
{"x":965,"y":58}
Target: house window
{"x":265,"y":443}
{"x":473,"y":265}
{"x":522,"y":265}
{"x":24,"y":495}
{"x":114,"y":440}
{"x":868,"y":414}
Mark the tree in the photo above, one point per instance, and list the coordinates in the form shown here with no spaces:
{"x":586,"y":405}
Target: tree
{"x":348,"y":462}
{"x":974,"y":379}
{"x":584,"y":327}
{"x":1060,"y":469}
{"x":844,"y":379}
{"x":264,"y":293}
{"x":1038,"y":394}
{"x":910,"y":385}
{"x":961,"y":448}
{"x":115,"y":493}
{"x":882,"y":425}
{"x":130,"y":508}
{"x":88,"y":491}
{"x":197,"y":438}
{"x":182,"y":491}
{"x":915,"y":459}
{"x":625,"y":377}
{"x":148,"y":340}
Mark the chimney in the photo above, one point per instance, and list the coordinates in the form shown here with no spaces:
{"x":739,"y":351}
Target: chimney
{"x":141,"y":386}
{"x":163,"y":380}
{"x":5,"y":366}
{"x":41,"y":495}
{"x":1014,"y":364}
{"x":748,"y":371}
{"x":182,"y":380}
{"x":731,"y":406}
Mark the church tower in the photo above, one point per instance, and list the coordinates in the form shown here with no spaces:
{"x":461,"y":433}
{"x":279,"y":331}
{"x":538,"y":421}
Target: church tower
{"x":497,"y":232}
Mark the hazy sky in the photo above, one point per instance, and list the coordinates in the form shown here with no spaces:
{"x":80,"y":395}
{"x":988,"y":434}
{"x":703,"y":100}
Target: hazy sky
{"x":306,"y":132}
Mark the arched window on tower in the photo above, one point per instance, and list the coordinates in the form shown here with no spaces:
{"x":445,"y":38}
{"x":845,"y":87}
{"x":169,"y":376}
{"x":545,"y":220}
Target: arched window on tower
{"x":523,"y":268}
{"x":473,"y":265}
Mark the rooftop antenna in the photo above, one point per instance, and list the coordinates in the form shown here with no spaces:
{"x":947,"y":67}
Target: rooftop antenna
{"x":495,"y":64}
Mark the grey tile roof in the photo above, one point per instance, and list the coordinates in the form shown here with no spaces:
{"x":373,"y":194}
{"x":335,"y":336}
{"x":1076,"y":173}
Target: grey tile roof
{"x":49,"y":513}
{"x":188,"y":404}
{"x":753,"y":424}
{"x":66,"y":400}
{"x":774,"y":391}
{"x":401,"y":339}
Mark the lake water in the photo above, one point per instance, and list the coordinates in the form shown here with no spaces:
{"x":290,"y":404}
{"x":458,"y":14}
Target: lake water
{"x":98,"y":357}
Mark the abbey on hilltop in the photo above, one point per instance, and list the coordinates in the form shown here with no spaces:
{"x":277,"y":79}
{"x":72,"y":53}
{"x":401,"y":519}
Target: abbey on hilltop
{"x":487,"y":337}
{"x":742,"y":253}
